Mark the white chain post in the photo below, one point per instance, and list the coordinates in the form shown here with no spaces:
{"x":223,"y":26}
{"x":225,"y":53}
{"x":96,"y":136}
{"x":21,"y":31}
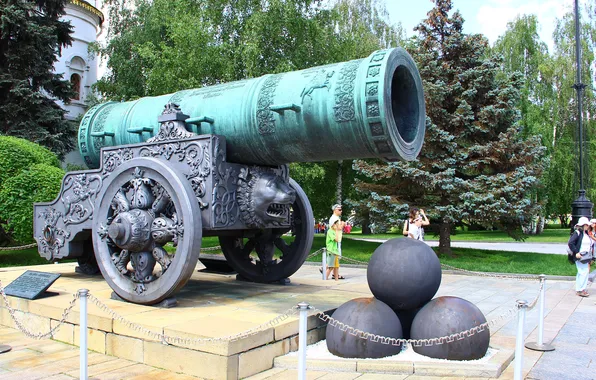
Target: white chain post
{"x":83,"y":334}
{"x":519,"y":340}
{"x":324,"y":263}
{"x":540,"y":345}
{"x":303,"y":307}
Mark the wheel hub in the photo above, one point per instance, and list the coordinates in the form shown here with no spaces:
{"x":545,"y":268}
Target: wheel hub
{"x":132,"y":230}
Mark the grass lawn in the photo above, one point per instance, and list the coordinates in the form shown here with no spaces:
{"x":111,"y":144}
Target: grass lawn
{"x":470,"y":259}
{"x":558,"y":235}
{"x":21,"y":258}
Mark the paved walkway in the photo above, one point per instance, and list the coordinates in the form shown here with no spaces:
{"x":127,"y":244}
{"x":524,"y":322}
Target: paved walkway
{"x":545,"y":248}
{"x":570,"y":323}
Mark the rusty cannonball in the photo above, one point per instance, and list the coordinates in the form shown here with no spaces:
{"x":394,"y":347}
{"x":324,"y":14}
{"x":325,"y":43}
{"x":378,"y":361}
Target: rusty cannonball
{"x":404,"y":273}
{"x":444,"y":316}
{"x":368,"y":315}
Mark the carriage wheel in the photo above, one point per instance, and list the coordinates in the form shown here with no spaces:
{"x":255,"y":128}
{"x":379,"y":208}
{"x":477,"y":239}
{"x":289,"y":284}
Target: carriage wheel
{"x":277,"y":256}
{"x":147,"y":231}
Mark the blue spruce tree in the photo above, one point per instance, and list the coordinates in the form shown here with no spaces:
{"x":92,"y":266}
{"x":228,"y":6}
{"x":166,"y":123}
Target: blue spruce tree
{"x":474,"y":165}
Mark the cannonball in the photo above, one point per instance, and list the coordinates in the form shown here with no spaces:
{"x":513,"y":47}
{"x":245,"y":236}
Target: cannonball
{"x":368,"y":315}
{"x":404,"y":273}
{"x":444,"y":316}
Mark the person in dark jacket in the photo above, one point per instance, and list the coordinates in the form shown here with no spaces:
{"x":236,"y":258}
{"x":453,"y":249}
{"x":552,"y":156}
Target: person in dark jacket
{"x":580,"y":244}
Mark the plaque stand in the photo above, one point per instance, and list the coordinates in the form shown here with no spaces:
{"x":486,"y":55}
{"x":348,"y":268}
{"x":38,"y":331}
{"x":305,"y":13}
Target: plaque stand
{"x":4,"y":348}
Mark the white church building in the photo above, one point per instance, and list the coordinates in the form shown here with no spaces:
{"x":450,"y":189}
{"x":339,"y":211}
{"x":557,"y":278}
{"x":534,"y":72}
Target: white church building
{"x":76,"y":63}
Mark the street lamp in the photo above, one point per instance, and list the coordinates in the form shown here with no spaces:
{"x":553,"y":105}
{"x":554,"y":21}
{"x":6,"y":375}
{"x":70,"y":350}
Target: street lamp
{"x":582,"y":205}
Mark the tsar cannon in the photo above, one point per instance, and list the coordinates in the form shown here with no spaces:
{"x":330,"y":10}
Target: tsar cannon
{"x":166,"y":171}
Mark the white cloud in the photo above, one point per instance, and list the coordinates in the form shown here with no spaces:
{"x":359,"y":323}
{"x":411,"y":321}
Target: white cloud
{"x":494,"y":16}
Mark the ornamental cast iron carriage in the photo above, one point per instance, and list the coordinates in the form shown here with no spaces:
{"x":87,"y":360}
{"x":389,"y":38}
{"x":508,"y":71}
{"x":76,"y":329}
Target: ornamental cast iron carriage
{"x":167,"y":170}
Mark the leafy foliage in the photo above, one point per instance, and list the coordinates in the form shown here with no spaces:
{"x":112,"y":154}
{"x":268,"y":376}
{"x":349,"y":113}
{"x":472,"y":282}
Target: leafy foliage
{"x":18,"y":154}
{"x":162,"y":46}
{"x":548,"y":104}
{"x":31,"y":37}
{"x":474,"y":165}
{"x":28,"y":173}
{"x":39,"y":183}
{"x":159,"y":46}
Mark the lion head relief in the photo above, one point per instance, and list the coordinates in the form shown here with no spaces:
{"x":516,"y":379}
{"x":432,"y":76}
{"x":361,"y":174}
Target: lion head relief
{"x":264,"y":197}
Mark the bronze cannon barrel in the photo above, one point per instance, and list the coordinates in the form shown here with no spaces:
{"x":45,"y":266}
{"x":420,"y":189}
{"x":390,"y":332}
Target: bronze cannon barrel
{"x":365,"y":108}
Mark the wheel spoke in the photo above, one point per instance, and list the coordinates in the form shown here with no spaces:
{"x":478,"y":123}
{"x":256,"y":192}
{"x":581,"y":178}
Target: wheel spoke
{"x":283,"y":246}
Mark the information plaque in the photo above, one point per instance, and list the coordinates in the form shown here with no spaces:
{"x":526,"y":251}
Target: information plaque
{"x":31,"y":284}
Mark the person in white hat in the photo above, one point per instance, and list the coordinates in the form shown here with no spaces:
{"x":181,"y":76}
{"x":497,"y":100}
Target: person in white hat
{"x":580,"y":245}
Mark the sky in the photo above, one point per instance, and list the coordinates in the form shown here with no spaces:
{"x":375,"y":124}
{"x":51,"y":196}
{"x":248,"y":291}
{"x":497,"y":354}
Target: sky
{"x":489,"y":17}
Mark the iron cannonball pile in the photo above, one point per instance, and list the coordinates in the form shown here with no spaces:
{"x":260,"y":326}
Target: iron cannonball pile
{"x":404,"y":275}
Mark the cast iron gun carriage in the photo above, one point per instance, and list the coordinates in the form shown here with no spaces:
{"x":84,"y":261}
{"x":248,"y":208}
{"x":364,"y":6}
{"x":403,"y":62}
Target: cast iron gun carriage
{"x":167,"y":170}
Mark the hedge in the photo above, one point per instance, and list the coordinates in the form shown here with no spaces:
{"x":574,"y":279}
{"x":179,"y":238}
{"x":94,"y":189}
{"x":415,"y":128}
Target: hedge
{"x":19,"y":154}
{"x":39,"y":183}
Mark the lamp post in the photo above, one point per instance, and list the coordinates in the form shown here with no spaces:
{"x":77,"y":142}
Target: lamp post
{"x":581,"y":206}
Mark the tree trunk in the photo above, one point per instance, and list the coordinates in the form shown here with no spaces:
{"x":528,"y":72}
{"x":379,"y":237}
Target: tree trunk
{"x":445,"y":239}
{"x":540,"y":225}
{"x":366,"y":225}
{"x":338,"y":194}
{"x":5,"y":239}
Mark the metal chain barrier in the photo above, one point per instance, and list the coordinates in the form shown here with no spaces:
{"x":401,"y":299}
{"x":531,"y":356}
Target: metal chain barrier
{"x":449,"y":267}
{"x":529,"y":277}
{"x":314,"y":254}
{"x":18,"y":248}
{"x":28,"y":332}
{"x":21,"y":247}
{"x":165,"y":339}
{"x":507,"y":315}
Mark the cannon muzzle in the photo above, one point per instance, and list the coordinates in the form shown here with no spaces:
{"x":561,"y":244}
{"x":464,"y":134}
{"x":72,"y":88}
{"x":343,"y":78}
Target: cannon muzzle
{"x":365,"y":108}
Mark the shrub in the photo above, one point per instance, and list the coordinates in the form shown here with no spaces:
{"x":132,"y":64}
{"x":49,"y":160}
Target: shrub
{"x":18,"y":154}
{"x":39,"y":183}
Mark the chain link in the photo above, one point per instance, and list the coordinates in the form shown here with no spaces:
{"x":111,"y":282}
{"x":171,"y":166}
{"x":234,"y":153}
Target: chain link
{"x":18,"y":248}
{"x":21,"y":247}
{"x":314,"y":254}
{"x":165,"y":339}
{"x":493,"y":275}
{"x":28,"y":332}
{"x":449,"y":267}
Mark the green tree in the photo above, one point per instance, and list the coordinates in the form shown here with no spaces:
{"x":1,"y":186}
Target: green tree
{"x":562,"y":176}
{"x":525,"y":53}
{"x":160,"y":46}
{"x":474,"y":165}
{"x":31,"y":38}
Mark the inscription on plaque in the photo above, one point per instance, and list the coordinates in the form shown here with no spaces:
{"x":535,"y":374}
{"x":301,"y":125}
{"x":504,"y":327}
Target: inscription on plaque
{"x":31,"y":284}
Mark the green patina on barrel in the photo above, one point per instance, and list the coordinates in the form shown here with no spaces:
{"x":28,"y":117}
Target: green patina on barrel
{"x":371,"y":107}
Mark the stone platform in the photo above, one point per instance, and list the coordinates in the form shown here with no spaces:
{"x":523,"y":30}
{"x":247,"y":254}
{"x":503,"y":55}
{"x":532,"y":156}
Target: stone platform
{"x":209,"y":306}
{"x":213,"y":305}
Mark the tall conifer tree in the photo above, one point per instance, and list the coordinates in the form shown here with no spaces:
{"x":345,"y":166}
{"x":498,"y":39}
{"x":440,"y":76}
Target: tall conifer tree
{"x":474,"y":165}
{"x":31,"y":39}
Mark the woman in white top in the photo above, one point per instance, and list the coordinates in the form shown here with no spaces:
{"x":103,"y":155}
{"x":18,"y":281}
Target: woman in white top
{"x":416,"y":231}
{"x":581,"y":244}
